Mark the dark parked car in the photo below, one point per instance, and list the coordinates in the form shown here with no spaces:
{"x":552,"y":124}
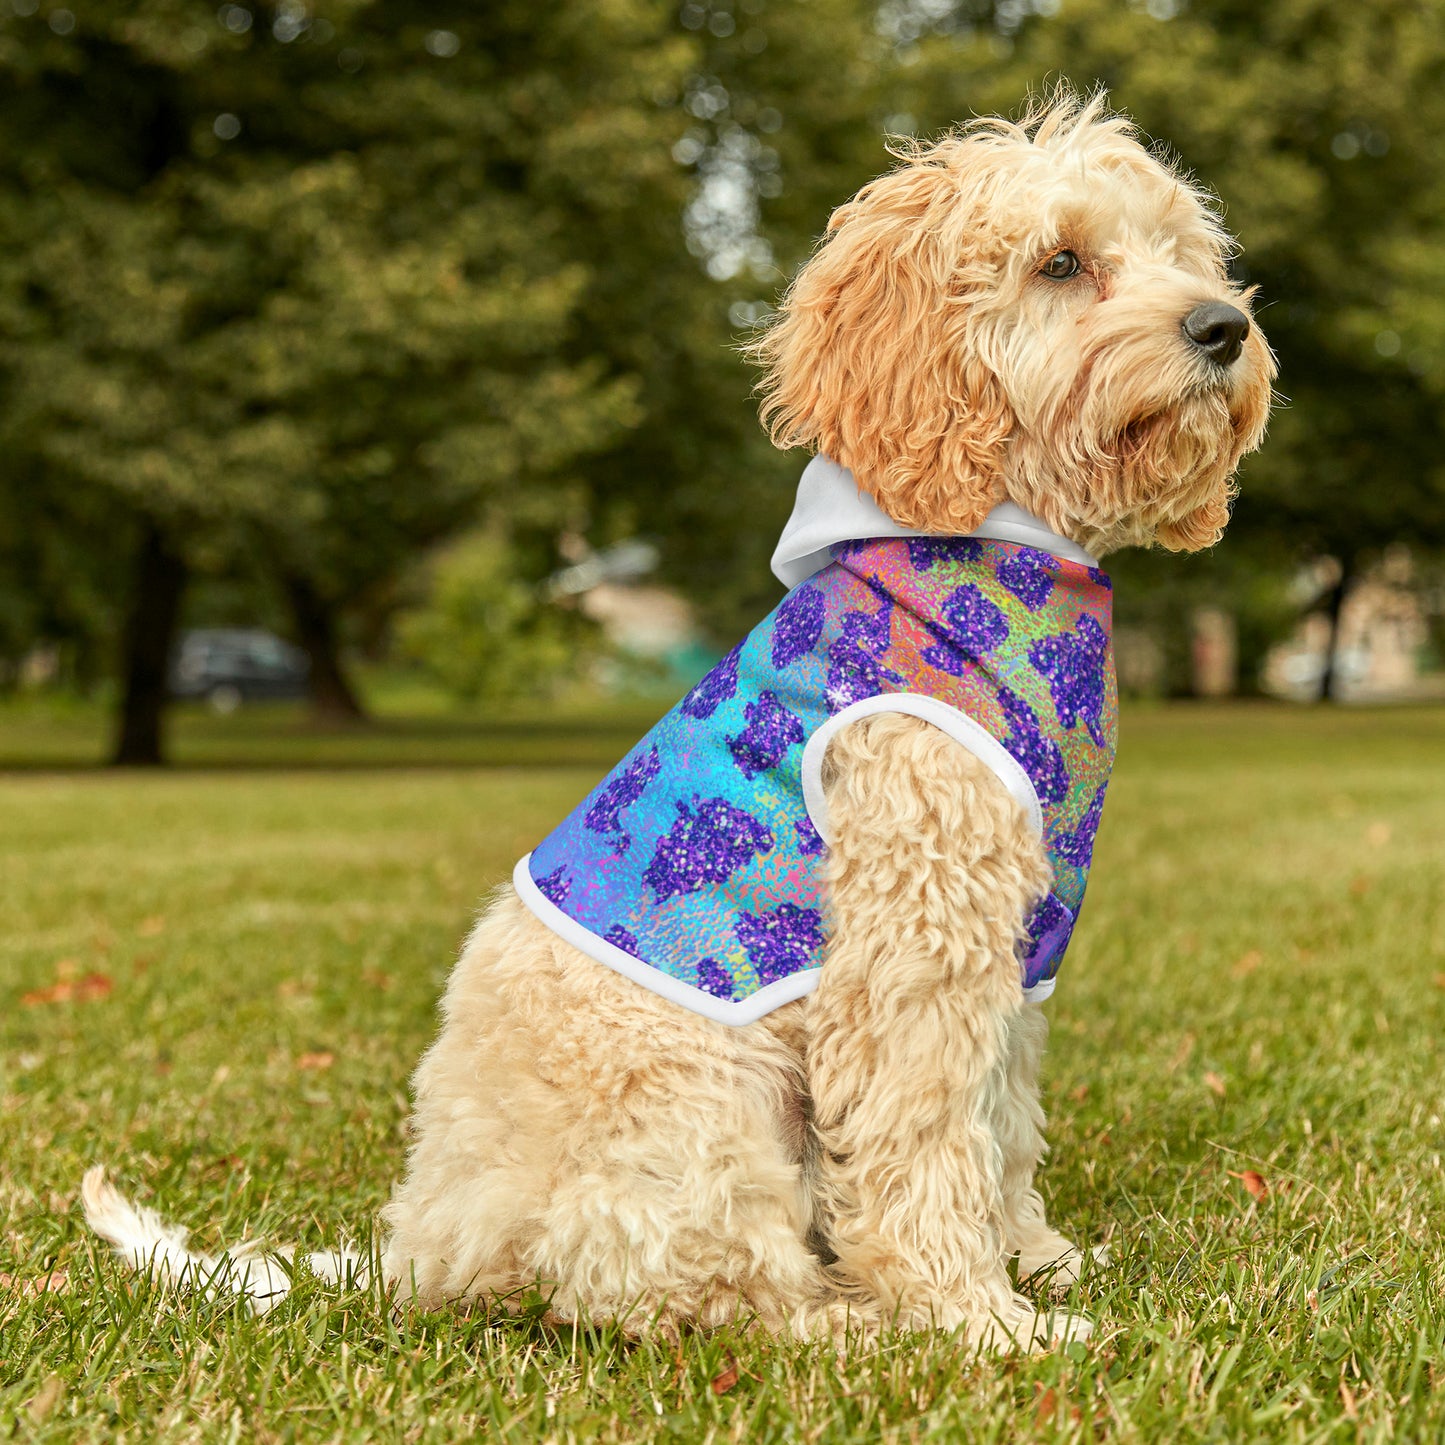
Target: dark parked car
{"x":230,"y":665}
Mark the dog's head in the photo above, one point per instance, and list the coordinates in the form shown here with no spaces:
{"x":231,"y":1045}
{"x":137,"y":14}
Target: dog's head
{"x":1036,"y":312}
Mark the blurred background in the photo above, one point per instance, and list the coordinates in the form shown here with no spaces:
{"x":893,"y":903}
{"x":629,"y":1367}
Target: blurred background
{"x":365,"y":361}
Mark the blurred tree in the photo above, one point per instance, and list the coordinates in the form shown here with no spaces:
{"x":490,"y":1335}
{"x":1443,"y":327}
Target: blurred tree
{"x":479,"y":631}
{"x":306,"y":281}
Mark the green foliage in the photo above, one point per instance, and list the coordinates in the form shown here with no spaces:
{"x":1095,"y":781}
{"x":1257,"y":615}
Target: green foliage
{"x":484,"y":633}
{"x":1246,"y":921}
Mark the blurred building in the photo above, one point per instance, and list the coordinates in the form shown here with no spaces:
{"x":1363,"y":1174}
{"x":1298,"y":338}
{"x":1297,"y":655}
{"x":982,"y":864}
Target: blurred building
{"x":1382,"y":649}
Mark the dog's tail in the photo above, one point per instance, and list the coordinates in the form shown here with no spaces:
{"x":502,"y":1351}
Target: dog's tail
{"x":147,"y":1243}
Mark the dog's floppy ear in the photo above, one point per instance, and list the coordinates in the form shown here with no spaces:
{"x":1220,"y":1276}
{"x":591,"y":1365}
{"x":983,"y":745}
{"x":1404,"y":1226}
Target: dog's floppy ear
{"x":871,"y":360}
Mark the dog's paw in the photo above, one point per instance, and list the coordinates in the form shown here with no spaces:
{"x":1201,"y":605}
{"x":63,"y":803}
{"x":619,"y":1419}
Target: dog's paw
{"x":1023,"y":1326}
{"x":1057,"y":1268}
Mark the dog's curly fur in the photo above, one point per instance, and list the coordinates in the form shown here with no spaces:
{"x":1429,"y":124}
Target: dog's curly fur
{"x":866,"y":1155}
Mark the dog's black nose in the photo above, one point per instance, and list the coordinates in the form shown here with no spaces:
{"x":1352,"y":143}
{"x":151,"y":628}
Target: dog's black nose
{"x":1217,"y":330}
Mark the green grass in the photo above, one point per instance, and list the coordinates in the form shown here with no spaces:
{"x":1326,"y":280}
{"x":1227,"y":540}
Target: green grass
{"x":1256,"y":986}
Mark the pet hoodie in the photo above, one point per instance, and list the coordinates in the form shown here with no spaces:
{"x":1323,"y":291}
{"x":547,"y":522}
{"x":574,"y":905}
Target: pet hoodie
{"x":693,"y":867}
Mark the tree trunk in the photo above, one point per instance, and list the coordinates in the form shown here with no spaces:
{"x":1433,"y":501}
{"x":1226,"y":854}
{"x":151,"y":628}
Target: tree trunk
{"x":1329,"y":675}
{"x":150,"y":630}
{"x":333,"y":699}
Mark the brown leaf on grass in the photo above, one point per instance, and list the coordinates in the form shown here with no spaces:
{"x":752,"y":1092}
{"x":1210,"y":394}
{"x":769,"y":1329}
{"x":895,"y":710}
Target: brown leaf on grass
{"x":1440,"y":980}
{"x":67,"y":990}
{"x":1080,"y":1094}
{"x":1046,"y":1407}
{"x":1360,"y":885}
{"x":1214,"y":1083}
{"x":1181,"y":1054}
{"x":321,"y":1059}
{"x":1247,"y":964}
{"x":377,"y":978}
{"x":56,"y":1282}
{"x":1255,"y":1184}
{"x":724,"y":1381}
{"x":151,"y":927}
{"x":1347,"y":1399}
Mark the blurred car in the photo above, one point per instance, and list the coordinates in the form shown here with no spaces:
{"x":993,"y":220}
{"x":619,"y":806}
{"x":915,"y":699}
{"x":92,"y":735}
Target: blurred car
{"x":227,"y":666}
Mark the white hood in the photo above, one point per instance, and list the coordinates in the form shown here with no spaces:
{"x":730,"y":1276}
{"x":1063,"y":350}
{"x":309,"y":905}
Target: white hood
{"x":830,"y":509}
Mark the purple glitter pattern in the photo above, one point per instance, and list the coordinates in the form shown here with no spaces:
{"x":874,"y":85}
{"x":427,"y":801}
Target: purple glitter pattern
{"x":1074,"y":666}
{"x":770,"y":732}
{"x":622,"y":938}
{"x":1077,"y":847}
{"x":810,"y":842}
{"x":710,"y":840}
{"x":1026,"y":575}
{"x":799,"y":625}
{"x":1039,"y":756}
{"x":713,"y":977}
{"x":556,"y":885}
{"x":1046,"y":937}
{"x":720,"y":685}
{"x":854,"y":671}
{"x":624,"y":789}
{"x":781,"y":942}
{"x":923,"y":552}
{"x":973,"y":626}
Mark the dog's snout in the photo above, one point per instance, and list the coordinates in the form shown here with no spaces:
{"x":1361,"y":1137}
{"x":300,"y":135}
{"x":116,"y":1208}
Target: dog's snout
{"x":1218,"y":330}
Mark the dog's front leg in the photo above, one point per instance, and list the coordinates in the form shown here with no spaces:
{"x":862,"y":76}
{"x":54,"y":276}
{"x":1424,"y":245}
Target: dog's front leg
{"x":932,"y":869}
{"x":1042,"y":1251}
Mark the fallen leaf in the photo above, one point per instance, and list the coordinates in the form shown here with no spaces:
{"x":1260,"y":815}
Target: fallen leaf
{"x":1347,"y":1399}
{"x":1360,"y":885}
{"x":151,"y":927}
{"x":724,"y":1382}
{"x":1214,"y":1083}
{"x":1181,"y":1054}
{"x":81,"y":990}
{"x":377,"y":979}
{"x":321,"y":1059}
{"x":1440,"y":980}
{"x":1080,"y":1094}
{"x":56,"y":1282}
{"x":1247,"y":965}
{"x":1255,"y":1184}
{"x":1046,"y":1408}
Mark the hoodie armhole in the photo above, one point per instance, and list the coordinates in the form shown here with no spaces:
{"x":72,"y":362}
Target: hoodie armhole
{"x":944,"y":716}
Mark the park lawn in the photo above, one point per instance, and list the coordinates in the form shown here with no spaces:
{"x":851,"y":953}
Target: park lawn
{"x":217,"y":980}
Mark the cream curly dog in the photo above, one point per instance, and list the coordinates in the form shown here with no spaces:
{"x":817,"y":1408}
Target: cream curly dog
{"x":1024,"y":332}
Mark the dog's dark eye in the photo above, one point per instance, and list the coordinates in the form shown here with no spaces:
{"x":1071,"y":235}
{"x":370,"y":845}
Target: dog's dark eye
{"x":1060,"y":266}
